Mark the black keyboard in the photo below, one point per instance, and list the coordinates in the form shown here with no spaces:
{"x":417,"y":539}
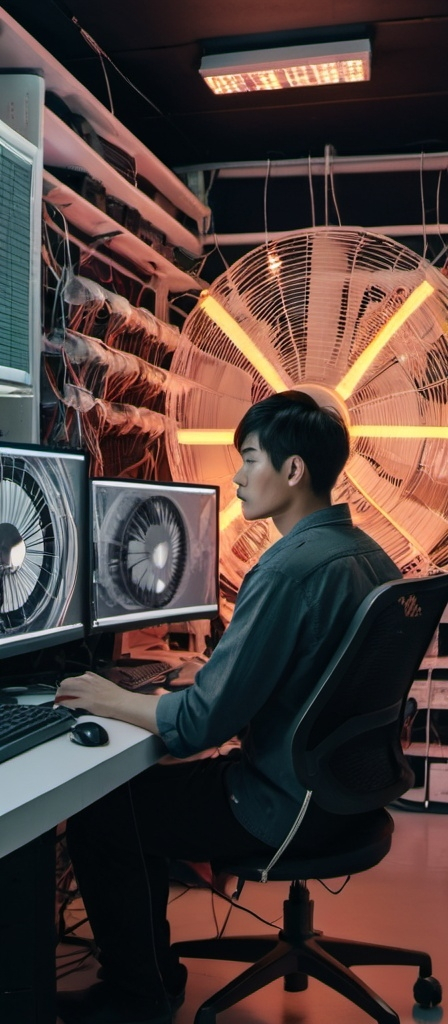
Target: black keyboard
{"x":143,"y":678}
{"x":25,"y":726}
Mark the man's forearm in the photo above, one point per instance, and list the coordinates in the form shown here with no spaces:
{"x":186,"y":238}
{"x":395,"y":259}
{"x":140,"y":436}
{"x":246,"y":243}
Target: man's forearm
{"x":139,"y":709}
{"x":100,"y":696}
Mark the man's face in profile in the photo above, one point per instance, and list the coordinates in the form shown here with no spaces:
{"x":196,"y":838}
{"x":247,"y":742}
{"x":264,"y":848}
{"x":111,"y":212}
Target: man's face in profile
{"x":263,"y":491}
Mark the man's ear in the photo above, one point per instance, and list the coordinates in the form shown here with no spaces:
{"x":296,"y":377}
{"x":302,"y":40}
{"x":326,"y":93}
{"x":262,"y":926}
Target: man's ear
{"x":296,"y":469}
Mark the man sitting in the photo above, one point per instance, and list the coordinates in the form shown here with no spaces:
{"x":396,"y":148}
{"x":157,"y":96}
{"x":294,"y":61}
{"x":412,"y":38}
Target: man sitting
{"x":290,"y":615}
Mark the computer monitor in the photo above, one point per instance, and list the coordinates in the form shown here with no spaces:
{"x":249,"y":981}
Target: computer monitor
{"x":155,"y":553}
{"x":43,"y":547}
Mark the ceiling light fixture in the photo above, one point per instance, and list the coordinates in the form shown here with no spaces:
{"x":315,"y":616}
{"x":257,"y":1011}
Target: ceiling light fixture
{"x":287,"y":67}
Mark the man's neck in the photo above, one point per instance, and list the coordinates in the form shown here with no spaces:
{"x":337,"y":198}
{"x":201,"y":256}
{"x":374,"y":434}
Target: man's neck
{"x":309,"y":504}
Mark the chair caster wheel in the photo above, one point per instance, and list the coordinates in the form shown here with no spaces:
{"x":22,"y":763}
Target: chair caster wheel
{"x":428,"y":992}
{"x":205,"y":1015}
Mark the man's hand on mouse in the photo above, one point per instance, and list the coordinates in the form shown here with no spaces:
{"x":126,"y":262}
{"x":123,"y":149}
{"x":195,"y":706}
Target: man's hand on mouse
{"x":97,"y":695}
{"x":100,"y":696}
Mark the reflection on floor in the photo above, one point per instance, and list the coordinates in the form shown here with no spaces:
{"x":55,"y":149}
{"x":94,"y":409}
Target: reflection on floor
{"x":403,"y":901}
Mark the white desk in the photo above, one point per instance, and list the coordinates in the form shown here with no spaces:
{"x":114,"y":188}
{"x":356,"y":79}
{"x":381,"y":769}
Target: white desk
{"x":38,"y":789}
{"x":43,"y":786}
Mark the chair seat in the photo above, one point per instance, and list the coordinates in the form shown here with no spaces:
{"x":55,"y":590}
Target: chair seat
{"x":300,"y":951}
{"x":350,"y":854}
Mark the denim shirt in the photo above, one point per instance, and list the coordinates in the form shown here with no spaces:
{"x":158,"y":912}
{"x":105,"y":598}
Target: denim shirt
{"x":291,"y":612}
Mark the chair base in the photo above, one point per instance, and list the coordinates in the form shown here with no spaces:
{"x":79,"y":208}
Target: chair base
{"x":300,"y":952}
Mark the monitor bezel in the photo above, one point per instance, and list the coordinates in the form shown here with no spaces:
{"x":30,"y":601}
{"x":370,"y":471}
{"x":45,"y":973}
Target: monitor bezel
{"x":162,"y":616}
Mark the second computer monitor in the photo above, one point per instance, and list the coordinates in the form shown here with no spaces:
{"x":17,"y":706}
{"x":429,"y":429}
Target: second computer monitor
{"x":155,"y":553}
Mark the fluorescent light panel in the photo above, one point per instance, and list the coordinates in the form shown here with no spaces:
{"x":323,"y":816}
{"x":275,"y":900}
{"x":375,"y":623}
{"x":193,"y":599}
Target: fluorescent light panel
{"x":287,"y":67}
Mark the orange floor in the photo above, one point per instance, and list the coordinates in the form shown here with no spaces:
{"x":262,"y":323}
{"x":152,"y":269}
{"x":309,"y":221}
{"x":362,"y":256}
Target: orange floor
{"x":404,"y":901}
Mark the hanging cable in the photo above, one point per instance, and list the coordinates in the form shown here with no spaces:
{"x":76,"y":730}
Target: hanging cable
{"x":329,"y":186}
{"x":265,"y":201}
{"x":444,"y":244}
{"x":422,"y":199}
{"x":104,"y":56}
{"x":106,"y":79}
{"x":326,"y":175}
{"x":333,"y":193}
{"x":310,"y":182}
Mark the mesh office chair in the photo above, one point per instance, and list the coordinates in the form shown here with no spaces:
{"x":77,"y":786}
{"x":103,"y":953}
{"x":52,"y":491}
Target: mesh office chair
{"x":347,"y":753}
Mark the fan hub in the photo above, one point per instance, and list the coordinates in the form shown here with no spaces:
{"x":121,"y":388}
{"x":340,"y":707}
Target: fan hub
{"x":12,"y":548}
{"x":157,"y":546}
{"x":326,"y":398}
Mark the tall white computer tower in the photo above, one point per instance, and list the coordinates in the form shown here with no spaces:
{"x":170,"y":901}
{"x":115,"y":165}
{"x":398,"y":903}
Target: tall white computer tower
{"x":21,"y":159}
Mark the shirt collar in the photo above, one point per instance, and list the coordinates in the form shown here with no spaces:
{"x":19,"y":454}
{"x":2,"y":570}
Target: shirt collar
{"x":339,"y":514}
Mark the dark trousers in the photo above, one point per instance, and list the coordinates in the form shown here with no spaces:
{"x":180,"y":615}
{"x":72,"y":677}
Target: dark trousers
{"x":121,"y":847}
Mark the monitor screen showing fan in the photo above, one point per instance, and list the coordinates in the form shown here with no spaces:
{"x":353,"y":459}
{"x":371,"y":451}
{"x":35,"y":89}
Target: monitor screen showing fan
{"x":155,"y":552}
{"x":42,"y":559}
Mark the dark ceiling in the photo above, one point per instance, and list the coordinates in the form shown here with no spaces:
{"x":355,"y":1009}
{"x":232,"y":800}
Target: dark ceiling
{"x":154,"y":48}
{"x":158,"y":46}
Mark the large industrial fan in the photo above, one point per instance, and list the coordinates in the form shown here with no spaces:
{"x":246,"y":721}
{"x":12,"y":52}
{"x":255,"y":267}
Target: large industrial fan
{"x":360,"y":322}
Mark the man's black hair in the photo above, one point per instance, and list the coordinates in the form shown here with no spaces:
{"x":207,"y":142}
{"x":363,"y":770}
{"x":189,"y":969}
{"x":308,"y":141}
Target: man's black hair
{"x":292,"y":423}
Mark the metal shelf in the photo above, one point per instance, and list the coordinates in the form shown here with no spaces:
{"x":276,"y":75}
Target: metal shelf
{"x":93,"y":222}
{"x":18,"y":49}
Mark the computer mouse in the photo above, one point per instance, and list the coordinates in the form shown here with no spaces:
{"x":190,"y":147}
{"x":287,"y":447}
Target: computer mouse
{"x":89,"y":734}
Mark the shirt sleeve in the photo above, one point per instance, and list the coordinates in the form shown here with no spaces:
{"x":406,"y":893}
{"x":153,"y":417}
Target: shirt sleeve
{"x":243,"y":670}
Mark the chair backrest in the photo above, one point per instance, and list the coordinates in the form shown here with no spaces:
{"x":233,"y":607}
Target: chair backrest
{"x":347,"y":739}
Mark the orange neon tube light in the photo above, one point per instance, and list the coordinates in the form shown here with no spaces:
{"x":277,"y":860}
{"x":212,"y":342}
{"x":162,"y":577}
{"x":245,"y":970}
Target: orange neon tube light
{"x":224,"y":436}
{"x":400,"y":431}
{"x":347,"y":385}
{"x":241,"y":340}
{"x":205,"y":435}
{"x":393,"y":522}
{"x":228,"y":514}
